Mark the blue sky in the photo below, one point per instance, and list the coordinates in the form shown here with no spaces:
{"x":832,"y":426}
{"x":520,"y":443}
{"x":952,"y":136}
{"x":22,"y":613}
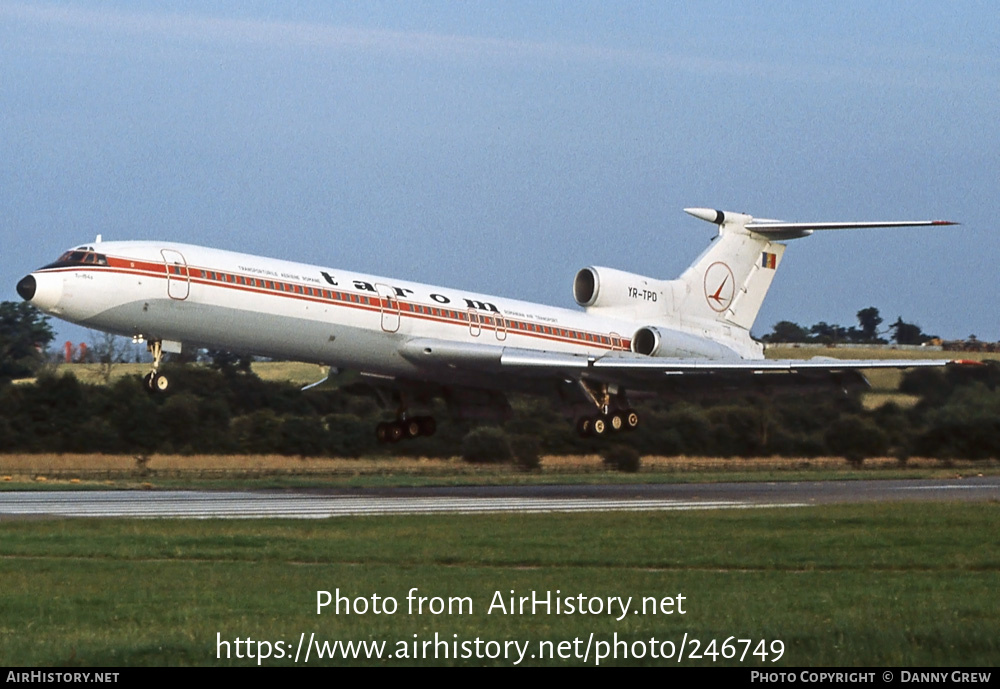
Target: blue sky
{"x":499,"y":147}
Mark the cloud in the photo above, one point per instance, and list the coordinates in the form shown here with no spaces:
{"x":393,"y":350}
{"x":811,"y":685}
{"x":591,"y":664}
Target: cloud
{"x":292,"y":35}
{"x":791,"y":63}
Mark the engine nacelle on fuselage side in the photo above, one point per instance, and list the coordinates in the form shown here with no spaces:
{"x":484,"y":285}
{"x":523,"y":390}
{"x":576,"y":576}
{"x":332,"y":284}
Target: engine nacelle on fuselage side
{"x":663,"y":342}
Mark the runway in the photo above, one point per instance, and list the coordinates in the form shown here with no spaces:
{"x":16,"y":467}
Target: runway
{"x":204,"y":505}
{"x":320,"y":504}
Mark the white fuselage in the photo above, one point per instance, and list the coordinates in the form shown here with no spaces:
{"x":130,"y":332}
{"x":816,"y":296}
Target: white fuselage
{"x":253,"y":305}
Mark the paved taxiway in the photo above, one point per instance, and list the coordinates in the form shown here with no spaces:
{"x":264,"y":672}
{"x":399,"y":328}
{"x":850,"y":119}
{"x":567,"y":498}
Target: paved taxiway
{"x":319,"y":504}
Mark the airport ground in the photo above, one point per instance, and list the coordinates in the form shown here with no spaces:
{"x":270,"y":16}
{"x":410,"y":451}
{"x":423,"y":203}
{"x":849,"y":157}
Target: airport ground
{"x":897,"y":583}
{"x":888,"y":585}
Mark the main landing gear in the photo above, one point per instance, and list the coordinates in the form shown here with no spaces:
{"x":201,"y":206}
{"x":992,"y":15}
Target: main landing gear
{"x":613,"y":413}
{"x":611,"y":421}
{"x":156,"y":382}
{"x":405,"y":429}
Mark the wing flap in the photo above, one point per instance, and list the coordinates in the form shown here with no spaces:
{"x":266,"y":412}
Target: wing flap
{"x":757,"y":366}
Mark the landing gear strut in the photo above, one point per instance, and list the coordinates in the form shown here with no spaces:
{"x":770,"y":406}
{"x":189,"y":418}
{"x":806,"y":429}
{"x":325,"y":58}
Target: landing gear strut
{"x":156,"y":382}
{"x":613,"y":413}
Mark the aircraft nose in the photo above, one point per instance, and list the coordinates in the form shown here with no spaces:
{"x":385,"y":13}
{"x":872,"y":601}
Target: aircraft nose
{"x":43,"y":290}
{"x":26,"y":287}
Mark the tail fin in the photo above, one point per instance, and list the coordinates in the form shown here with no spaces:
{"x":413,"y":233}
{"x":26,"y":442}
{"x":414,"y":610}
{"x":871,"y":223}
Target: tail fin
{"x":727,"y":284}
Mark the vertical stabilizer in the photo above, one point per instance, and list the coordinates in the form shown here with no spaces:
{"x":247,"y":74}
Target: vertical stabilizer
{"x":727,"y":284}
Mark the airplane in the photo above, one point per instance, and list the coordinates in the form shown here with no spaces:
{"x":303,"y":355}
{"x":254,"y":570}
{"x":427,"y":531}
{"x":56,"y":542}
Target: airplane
{"x":636,"y":335}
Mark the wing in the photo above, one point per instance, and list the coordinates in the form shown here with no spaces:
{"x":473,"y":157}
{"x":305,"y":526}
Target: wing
{"x":638,"y":372}
{"x":687,"y":376}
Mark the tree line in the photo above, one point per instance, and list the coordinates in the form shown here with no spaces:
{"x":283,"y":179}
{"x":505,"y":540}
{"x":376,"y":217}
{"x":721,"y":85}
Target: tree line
{"x":866,"y":332}
{"x":223,"y":407}
{"x":231,"y":411}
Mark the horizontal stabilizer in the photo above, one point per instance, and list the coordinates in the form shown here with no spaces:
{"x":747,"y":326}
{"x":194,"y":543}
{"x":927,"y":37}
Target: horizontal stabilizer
{"x":792,"y":230}
{"x":778,"y":229}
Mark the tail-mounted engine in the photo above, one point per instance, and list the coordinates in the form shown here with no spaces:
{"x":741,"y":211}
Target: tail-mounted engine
{"x":646,"y":341}
{"x":596,"y":287}
{"x":665,"y":342}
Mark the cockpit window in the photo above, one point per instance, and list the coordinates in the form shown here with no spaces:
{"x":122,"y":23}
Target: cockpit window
{"x":77,"y":257}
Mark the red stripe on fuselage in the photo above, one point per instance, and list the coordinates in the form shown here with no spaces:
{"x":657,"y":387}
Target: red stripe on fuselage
{"x":413,"y":310}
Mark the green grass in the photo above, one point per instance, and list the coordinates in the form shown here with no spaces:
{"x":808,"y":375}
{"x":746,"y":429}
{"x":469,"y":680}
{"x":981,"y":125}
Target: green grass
{"x":873,"y":353}
{"x":291,"y":371}
{"x":897,"y":584}
{"x":884,"y":382}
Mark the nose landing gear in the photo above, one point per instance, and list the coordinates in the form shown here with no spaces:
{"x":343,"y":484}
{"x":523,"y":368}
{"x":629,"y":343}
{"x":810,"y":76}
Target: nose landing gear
{"x":156,"y":382}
